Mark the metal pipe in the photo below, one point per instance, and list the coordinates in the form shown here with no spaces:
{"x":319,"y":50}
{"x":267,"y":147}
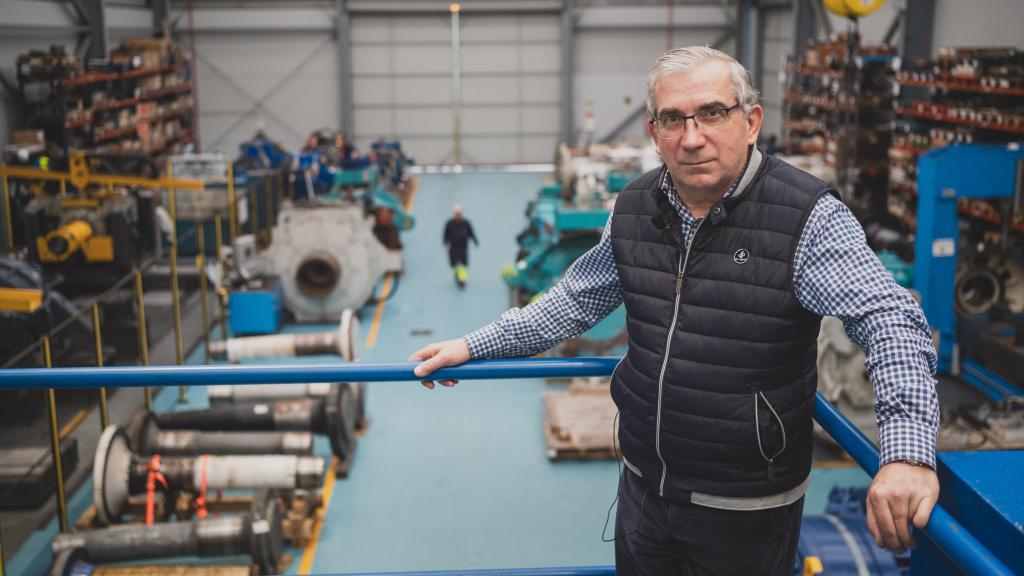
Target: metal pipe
{"x":179,"y":345}
{"x":232,"y":206}
{"x":119,"y":472}
{"x":146,"y":436}
{"x":341,"y":342}
{"x":98,"y":337}
{"x":8,"y":230}
{"x":204,"y":304}
{"x":257,"y":533}
{"x":121,"y":377}
{"x":961,"y":546}
{"x":336,"y":416}
{"x":140,"y":328}
{"x":58,"y":469}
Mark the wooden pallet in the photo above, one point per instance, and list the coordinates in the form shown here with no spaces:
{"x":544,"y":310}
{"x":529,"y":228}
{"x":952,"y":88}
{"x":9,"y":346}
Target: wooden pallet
{"x":578,"y":423}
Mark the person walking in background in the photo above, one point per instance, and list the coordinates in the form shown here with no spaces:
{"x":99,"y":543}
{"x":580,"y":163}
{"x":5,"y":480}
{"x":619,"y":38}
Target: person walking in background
{"x":457,"y":234}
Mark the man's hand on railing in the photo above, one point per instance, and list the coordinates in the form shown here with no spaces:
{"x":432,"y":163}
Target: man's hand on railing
{"x":439,"y":355}
{"x":900,"y":494}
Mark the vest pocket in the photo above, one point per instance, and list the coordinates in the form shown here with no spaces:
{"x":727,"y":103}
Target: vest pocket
{"x":770,"y":432}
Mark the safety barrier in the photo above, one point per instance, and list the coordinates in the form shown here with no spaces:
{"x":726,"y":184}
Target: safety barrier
{"x":942,"y":528}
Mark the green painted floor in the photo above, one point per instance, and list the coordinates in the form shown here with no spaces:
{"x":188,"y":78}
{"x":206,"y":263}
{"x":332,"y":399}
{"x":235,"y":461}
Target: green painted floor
{"x":458,"y":479}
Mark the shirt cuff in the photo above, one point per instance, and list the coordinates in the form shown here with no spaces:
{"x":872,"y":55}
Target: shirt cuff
{"x":484,"y":342}
{"x":906,"y":439}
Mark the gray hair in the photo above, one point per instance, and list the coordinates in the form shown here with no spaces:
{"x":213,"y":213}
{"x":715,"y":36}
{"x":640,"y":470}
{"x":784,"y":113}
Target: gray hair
{"x":683,"y":60}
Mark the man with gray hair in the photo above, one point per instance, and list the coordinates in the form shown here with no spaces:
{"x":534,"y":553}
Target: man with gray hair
{"x":726,"y":260}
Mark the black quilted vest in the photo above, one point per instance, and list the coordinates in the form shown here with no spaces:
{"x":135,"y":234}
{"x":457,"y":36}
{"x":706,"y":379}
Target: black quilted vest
{"x":726,"y":410}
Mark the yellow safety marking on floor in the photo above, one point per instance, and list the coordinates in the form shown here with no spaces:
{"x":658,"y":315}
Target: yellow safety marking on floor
{"x":385,"y":290}
{"x":309,"y":552}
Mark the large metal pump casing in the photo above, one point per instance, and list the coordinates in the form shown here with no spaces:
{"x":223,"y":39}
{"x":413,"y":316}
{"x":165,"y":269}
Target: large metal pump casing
{"x":328,"y":259}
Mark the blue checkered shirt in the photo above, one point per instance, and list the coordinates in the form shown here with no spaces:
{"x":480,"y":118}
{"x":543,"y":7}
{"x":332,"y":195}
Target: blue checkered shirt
{"x":835,"y":274}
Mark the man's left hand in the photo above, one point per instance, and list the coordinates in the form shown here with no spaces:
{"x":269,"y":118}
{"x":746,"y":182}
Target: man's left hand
{"x":899,"y":494}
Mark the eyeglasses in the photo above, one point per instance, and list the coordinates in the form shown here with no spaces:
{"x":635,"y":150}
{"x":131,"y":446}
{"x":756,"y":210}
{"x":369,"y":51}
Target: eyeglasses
{"x":672,"y":124}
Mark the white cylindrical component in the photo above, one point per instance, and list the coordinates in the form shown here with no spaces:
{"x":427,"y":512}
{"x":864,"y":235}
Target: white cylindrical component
{"x":255,"y":392}
{"x":278,"y":345}
{"x":280,"y":472}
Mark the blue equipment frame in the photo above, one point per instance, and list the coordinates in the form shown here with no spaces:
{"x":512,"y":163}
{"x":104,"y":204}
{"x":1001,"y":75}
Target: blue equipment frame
{"x":949,"y":535}
{"x":944,"y":176}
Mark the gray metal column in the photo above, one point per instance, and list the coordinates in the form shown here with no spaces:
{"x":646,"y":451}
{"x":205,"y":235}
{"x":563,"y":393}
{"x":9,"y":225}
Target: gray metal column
{"x":568,"y":68}
{"x":97,"y":23}
{"x":160,"y":12}
{"x":342,"y":36}
{"x":918,"y":28}
{"x":750,"y":38}
{"x":805,"y":26}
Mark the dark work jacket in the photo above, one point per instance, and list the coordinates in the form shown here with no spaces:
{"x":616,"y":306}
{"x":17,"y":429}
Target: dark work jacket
{"x":716,"y":393}
{"x":457,"y":234}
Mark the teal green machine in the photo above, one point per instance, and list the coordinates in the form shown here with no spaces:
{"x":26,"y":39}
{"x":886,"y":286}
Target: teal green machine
{"x":562,"y":226}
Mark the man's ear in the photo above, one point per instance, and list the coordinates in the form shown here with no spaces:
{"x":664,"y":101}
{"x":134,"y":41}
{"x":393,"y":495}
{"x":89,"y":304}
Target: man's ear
{"x":754,"y":121}
{"x":654,"y":137}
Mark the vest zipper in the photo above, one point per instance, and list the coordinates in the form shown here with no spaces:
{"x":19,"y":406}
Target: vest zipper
{"x":683,"y":259}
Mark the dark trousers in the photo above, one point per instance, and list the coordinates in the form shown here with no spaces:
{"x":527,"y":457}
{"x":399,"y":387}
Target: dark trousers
{"x":655,"y":537}
{"x":458,"y":255}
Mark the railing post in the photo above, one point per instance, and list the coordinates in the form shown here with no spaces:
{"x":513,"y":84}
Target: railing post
{"x":179,"y":345}
{"x":204,"y":304}
{"x":98,"y":337}
{"x":140,"y":317}
{"x":51,"y":404}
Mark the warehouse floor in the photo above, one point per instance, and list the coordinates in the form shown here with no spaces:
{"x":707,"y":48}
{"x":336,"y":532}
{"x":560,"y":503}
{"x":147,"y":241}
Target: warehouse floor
{"x":459,"y":478}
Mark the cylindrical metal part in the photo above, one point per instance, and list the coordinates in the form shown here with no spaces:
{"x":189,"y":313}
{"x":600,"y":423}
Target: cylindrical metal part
{"x":66,"y":240}
{"x":58,"y":469}
{"x":147,"y":438}
{"x":303,"y":414}
{"x":341,"y":342}
{"x":193,"y":442}
{"x":118,"y":473}
{"x":257,"y":534}
{"x":227,"y":393}
{"x":98,"y":338}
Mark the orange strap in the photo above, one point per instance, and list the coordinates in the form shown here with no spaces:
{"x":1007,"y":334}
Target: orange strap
{"x":201,"y":511}
{"x":152,"y":476}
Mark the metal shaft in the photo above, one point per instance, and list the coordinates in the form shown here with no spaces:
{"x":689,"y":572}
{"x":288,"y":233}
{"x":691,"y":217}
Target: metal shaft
{"x":280,"y":472}
{"x":152,"y":440}
{"x":98,"y":337}
{"x":140,"y":316}
{"x":51,"y":404}
{"x":275,"y":346}
{"x":301,"y":414}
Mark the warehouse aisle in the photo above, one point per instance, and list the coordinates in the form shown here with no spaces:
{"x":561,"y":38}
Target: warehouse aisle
{"x":458,"y":478}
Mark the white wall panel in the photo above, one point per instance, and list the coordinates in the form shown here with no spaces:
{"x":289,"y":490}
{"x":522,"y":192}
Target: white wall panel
{"x":509,"y":64}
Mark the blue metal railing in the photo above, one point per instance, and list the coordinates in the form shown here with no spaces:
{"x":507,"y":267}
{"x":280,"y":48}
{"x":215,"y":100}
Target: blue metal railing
{"x":962,"y":547}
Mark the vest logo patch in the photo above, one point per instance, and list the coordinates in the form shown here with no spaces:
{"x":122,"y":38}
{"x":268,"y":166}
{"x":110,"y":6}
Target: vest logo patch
{"x":741,"y":256}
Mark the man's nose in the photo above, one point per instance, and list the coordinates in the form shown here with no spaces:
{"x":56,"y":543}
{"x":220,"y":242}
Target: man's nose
{"x":692,"y":136}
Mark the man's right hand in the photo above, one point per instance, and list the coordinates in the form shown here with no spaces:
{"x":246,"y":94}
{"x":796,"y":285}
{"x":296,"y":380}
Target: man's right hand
{"x":439,"y":355}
